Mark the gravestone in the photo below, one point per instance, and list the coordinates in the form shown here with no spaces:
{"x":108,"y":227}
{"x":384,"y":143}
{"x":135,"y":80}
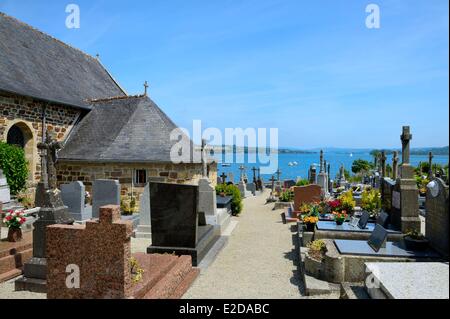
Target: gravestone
{"x":378,"y":238}
{"x":312,"y":174}
{"x":242,"y":188}
{"x":101,"y":250}
{"x":342,"y":181}
{"x":206,"y":199}
{"x":104,"y":192}
{"x":394,"y":165}
{"x":251,"y":187}
{"x":144,"y":229}
{"x":405,"y":212}
{"x":175,"y":222}
{"x":5,"y":196}
{"x":383,"y":219}
{"x":73,"y":196}
{"x":52,"y":211}
{"x":306,"y":194}
{"x":322,"y":178}
{"x":437,"y":218}
{"x":363,"y":220}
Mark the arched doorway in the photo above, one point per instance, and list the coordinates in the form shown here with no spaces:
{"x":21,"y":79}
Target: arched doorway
{"x":15,"y":137}
{"x":21,"y":135}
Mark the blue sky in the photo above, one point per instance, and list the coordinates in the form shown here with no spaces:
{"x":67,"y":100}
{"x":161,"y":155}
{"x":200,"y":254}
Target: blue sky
{"x":310,"y":68}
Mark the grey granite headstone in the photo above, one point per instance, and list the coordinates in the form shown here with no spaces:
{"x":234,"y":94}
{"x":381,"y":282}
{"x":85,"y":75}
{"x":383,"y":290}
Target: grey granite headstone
{"x":437,"y":219}
{"x":251,"y":187}
{"x":144,"y":229}
{"x":206,"y":197}
{"x":105,"y":192}
{"x":5,"y":196}
{"x":73,"y":196}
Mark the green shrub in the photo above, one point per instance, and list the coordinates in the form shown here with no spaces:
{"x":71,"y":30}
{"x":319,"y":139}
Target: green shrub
{"x":14,"y":166}
{"x":231,"y":190}
{"x":302,"y":182}
{"x":286,"y":196}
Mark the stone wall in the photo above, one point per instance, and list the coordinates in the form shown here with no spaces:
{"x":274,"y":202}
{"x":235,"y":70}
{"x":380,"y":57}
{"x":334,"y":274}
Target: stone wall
{"x":160,"y":172}
{"x":26,"y":113}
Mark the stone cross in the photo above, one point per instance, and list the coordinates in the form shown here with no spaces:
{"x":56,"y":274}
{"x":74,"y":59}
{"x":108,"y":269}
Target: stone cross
{"x":278,"y":172}
{"x":383,"y":164}
{"x":321,"y":161}
{"x":145,"y":88}
{"x":254,"y":169}
{"x":329,"y":171}
{"x":406,"y":137}
{"x":273,"y":183}
{"x":430,"y":164}
{"x":224,"y":177}
{"x":242,"y":169}
{"x":342,"y":173}
{"x":48,"y":154}
{"x":203,"y":157}
{"x":394,"y":165}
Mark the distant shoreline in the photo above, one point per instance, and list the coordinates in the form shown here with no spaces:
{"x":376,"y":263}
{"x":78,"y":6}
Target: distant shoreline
{"x":414,"y":151}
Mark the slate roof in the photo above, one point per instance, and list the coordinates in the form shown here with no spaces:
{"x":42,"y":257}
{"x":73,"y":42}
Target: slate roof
{"x":130,"y":129}
{"x":37,"y":65}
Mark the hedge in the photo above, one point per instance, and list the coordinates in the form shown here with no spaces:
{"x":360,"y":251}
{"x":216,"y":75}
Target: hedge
{"x":231,"y":190}
{"x":14,"y":166}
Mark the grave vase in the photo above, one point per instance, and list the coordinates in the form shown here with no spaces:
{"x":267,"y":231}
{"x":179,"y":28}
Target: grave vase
{"x":14,"y":234}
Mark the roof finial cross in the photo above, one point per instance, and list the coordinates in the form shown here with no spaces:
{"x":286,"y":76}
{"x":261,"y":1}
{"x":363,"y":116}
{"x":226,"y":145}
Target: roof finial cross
{"x":145,"y":88}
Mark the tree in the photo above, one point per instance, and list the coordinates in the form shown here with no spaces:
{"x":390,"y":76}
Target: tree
{"x":361,"y":165}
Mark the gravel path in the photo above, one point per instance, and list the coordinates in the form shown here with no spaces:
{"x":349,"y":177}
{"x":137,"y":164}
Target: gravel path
{"x":256,"y":262}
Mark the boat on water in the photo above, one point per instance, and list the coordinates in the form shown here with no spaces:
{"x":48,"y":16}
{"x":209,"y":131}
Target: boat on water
{"x":351,"y":154}
{"x":226,"y":164}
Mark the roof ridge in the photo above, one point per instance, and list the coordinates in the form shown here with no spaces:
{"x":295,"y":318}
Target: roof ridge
{"x":47,"y":35}
{"x":113,"y":98}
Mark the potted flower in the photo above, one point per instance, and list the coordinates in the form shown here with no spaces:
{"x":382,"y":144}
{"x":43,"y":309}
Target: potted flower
{"x":14,"y":221}
{"x":414,"y":240}
{"x":310,"y":222}
{"x":340,"y":217}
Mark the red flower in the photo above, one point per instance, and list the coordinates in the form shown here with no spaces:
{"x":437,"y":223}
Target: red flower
{"x":8,"y":218}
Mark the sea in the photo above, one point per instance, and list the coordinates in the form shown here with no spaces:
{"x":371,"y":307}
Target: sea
{"x":304,"y":160}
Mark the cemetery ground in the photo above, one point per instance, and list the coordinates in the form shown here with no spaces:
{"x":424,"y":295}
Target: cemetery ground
{"x":258,"y":260}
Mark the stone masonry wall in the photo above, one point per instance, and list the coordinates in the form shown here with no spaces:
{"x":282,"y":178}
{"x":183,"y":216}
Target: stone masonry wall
{"x":27,"y":114}
{"x":162,"y":172}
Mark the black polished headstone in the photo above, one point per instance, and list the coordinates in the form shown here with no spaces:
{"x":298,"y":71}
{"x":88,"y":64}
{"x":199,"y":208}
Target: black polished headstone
{"x":378,"y":238}
{"x":174,"y":216}
{"x":383,"y":219}
{"x":363,"y":220}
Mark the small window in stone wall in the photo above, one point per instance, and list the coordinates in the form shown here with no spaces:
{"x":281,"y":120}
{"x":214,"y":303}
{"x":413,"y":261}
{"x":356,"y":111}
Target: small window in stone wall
{"x":140,"y":177}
